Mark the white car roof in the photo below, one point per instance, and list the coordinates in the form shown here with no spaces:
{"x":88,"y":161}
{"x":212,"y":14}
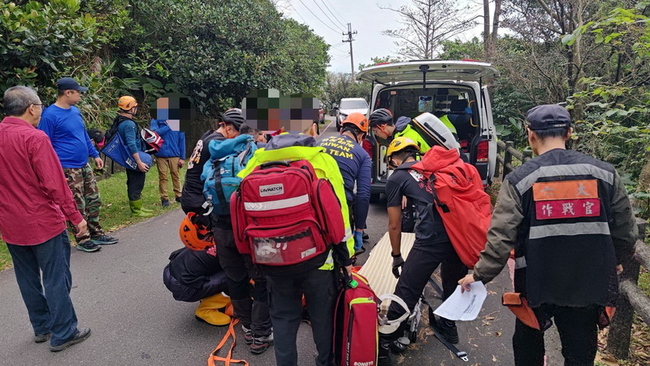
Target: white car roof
{"x":437,"y":70}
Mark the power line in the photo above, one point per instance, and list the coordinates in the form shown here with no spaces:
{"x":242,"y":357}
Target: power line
{"x":319,"y":19}
{"x":322,"y":11}
{"x":345,"y":21}
{"x":298,"y":14}
{"x":328,"y":9}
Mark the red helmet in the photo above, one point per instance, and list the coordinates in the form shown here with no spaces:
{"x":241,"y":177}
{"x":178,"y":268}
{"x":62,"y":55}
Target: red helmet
{"x":194,"y":235}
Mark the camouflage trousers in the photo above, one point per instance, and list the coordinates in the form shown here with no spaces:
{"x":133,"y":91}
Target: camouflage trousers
{"x":84,"y":189}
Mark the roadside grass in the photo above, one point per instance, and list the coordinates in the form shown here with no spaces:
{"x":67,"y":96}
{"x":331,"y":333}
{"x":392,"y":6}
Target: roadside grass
{"x":115,"y":213}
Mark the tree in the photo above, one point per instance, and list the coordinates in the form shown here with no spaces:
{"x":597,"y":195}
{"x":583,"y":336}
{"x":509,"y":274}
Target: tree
{"x":490,"y":35}
{"x":379,"y":60}
{"x":426,"y":24}
{"x":339,"y":85}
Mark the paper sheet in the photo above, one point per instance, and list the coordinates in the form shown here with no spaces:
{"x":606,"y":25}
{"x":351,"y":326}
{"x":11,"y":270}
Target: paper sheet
{"x":465,"y":306}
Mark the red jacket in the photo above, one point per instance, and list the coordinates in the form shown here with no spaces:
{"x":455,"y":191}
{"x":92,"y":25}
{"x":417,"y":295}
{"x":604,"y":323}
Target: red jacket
{"x":35,"y":199}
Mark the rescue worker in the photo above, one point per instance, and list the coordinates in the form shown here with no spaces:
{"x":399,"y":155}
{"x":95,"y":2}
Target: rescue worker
{"x":250,"y":303}
{"x":568,"y":217}
{"x":354,"y":164}
{"x":129,"y":132}
{"x":431,"y":247}
{"x":381,"y":122}
{"x":318,"y":284}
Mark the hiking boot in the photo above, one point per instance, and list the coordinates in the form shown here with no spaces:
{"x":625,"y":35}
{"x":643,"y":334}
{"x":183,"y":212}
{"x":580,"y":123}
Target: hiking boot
{"x":260,"y":344}
{"x":384,"y":358}
{"x":447,"y":329}
{"x":365,"y":236}
{"x":40,"y":338}
{"x":248,"y":335}
{"x":178,"y":199}
{"x":88,"y":246}
{"x":104,"y":239}
{"x":164,"y":202}
{"x":81,"y":335}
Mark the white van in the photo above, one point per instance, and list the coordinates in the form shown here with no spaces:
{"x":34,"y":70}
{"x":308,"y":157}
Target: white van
{"x":456,"y":89}
{"x":350,"y":105}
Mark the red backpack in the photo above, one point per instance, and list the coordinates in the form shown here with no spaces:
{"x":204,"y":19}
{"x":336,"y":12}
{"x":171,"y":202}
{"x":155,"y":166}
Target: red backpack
{"x":356,"y":325}
{"x":283,"y":214}
{"x":459,"y":197}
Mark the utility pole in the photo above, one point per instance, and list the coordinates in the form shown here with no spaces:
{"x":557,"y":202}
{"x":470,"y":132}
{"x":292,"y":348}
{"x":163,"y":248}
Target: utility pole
{"x":350,"y":39}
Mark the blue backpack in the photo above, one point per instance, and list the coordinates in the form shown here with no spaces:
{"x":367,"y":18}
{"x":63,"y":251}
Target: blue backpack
{"x":227,"y":158}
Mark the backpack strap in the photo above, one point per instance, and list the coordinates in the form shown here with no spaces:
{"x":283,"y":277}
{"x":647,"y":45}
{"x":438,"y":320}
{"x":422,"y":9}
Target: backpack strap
{"x":436,"y":199}
{"x":228,"y":360}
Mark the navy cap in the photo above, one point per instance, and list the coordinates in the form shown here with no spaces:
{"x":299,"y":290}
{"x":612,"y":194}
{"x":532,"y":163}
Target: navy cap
{"x":547,"y":116}
{"x":69,"y":84}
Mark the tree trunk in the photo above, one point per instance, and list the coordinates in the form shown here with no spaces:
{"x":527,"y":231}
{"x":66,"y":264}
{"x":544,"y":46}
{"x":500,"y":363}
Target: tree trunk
{"x":487,"y":46}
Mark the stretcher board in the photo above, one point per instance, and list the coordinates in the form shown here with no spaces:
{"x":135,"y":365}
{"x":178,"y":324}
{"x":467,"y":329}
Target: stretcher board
{"x":378,"y":267}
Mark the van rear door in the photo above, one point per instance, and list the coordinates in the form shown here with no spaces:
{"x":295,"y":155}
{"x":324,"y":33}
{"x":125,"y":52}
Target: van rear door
{"x":435,"y":70}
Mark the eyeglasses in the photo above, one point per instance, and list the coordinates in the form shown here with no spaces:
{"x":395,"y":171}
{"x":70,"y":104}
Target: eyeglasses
{"x":38,"y":104}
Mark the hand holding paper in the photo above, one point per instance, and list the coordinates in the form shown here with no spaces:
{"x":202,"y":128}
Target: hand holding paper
{"x":463,"y":306}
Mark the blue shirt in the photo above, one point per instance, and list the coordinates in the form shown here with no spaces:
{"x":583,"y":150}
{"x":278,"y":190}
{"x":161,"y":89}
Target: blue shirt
{"x":355,"y":165}
{"x":67,"y":131}
{"x":130,"y":135}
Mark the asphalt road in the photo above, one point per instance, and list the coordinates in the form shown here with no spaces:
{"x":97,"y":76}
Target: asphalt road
{"x":118,"y":293}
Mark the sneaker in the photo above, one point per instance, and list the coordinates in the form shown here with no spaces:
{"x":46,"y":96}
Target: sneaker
{"x":178,"y":199}
{"x":40,"y":338}
{"x":248,"y":335}
{"x":88,"y":246}
{"x":365,"y":236}
{"x":260,"y":344}
{"x":104,"y":239}
{"x":164,"y":202}
{"x":447,"y":328}
{"x":384,"y":358}
{"x":81,"y":335}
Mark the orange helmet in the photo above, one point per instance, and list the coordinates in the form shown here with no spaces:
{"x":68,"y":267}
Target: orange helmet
{"x":126,"y":102}
{"x":194,"y":235}
{"x":359,"y":120}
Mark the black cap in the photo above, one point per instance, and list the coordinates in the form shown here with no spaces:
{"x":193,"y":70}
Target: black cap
{"x":69,"y":84}
{"x":547,"y":116}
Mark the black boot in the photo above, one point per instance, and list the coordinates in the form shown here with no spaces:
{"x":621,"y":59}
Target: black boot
{"x":447,"y":328}
{"x":384,"y":354}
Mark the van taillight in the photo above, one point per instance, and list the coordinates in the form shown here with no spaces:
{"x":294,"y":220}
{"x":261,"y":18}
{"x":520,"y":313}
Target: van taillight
{"x":482,"y":151}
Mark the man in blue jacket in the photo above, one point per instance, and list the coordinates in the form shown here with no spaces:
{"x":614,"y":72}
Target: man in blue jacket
{"x":355,"y":165}
{"x":63,"y":123}
{"x":169,"y":159}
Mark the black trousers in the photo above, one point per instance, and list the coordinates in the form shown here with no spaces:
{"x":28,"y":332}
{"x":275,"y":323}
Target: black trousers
{"x":134,"y":184}
{"x":418,"y":268}
{"x":578,"y":328}
{"x":285,"y":294}
{"x":250,"y":302}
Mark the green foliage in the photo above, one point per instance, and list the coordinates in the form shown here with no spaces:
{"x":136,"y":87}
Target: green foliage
{"x":615,"y":125}
{"x":38,"y":41}
{"x":338,"y":85}
{"x":380,"y":60}
{"x":458,"y":50}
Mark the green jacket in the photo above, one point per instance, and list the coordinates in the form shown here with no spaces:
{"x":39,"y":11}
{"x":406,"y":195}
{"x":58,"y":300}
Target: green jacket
{"x":409,"y":132}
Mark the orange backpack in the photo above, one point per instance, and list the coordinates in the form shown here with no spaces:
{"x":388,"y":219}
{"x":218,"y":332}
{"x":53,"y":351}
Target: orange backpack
{"x":459,"y":197}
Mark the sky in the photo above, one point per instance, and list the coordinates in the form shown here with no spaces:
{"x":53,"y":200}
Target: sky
{"x":329,"y":19}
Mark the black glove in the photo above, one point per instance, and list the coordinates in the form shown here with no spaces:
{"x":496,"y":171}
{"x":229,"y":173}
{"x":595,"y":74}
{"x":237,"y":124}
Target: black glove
{"x":398,"y":262}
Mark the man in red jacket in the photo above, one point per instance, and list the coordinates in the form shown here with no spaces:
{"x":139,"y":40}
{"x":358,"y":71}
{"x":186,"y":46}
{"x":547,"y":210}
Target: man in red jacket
{"x":35,"y":191}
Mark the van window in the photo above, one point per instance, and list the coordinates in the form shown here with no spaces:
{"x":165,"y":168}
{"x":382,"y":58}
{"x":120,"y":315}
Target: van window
{"x":353,"y":104}
{"x":456,"y":102}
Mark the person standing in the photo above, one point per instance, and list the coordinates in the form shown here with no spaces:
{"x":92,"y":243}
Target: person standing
{"x":129,"y":133}
{"x":169,"y":159}
{"x":355,"y":166}
{"x":568,"y":217}
{"x":35,"y":203}
{"x":432,"y":245}
{"x":63,"y":123}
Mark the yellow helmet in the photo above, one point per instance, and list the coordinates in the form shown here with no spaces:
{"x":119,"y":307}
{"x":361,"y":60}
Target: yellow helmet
{"x":400,"y":143}
{"x":126,"y":102}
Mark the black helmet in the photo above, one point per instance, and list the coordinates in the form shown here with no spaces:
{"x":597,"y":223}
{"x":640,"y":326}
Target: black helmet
{"x":380,"y":116}
{"x":233,"y":116}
